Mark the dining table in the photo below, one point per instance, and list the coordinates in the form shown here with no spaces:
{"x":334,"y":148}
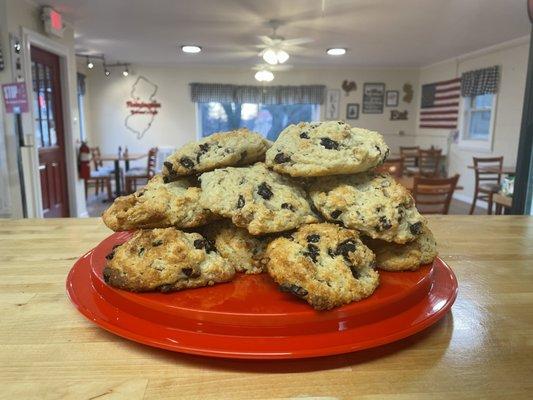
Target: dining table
{"x":504,"y":170}
{"x":481,"y":349}
{"x":117,"y":158}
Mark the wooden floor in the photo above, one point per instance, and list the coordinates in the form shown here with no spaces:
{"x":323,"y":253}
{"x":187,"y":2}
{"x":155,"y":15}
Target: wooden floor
{"x":96,"y":205}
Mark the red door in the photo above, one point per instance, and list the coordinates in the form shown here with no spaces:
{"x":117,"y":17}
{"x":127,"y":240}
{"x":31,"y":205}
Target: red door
{"x":49,"y":134}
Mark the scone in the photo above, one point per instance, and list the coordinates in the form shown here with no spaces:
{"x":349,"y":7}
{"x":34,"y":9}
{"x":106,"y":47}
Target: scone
{"x":166,"y":260}
{"x":404,"y":257}
{"x":324,"y":264}
{"x":256,"y":198}
{"x":374,"y":204}
{"x":326,"y":148}
{"x":242,"y":250}
{"x":158,"y":205}
{"x":223,"y":149}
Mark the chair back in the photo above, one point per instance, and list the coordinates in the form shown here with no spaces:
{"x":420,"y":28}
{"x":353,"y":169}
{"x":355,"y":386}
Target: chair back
{"x":487,"y":176}
{"x":152,"y":161}
{"x":96,"y":156}
{"x":429,"y":162}
{"x":409,"y":155}
{"x":393,"y":166}
{"x":434,"y":195}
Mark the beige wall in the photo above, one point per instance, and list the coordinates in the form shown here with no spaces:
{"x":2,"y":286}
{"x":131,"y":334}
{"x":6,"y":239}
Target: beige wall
{"x":176,"y":123}
{"x":15,"y":15}
{"x":512,"y":60}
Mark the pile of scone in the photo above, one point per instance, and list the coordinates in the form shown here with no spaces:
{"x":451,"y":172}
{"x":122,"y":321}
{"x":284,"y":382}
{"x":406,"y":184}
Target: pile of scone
{"x":308,"y":210}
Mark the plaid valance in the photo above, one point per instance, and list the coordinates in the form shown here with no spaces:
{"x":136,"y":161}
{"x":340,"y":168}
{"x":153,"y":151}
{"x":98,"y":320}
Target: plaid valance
{"x":480,"y":81}
{"x":207,"y":92}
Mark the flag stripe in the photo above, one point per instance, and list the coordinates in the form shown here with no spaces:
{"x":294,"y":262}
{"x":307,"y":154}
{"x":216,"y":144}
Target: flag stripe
{"x":438,"y":119}
{"x":439,"y":126}
{"x":455,"y":104}
{"x":451,"y":89}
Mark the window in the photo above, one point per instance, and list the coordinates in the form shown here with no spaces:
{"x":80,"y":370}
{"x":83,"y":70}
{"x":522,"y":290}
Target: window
{"x":478,"y":121}
{"x":267,"y":119}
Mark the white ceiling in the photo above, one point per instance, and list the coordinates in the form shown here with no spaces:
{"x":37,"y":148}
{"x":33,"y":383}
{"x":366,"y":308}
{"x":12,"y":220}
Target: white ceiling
{"x":378,"y":33}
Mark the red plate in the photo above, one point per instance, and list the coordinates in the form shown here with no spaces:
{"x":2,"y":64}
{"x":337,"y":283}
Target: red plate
{"x":250,"y":318}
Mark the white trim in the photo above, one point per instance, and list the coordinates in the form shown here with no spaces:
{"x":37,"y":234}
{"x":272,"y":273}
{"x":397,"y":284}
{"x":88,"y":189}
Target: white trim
{"x":468,"y":199}
{"x":30,"y":38}
{"x":476,"y":53}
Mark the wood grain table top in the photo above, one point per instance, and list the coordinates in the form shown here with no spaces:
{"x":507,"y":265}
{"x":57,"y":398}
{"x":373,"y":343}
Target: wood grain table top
{"x":482,"y":349}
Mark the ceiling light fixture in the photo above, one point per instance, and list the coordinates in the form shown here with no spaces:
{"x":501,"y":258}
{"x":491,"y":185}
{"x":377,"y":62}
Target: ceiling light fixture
{"x":336,"y":51}
{"x":273,"y":56}
{"x":106,"y":71}
{"x":90,"y":64}
{"x":264,"y":76}
{"x":126,"y":72}
{"x":191,"y":49}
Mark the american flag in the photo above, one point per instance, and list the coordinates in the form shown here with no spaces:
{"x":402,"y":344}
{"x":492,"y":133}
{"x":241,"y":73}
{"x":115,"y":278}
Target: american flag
{"x":440,"y":104}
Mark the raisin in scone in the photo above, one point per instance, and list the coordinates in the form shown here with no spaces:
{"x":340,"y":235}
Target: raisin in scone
{"x":165,"y":260}
{"x":223,"y":149}
{"x":256,"y":198}
{"x":404,"y":257}
{"x":242,"y":250}
{"x":324,"y":264}
{"x":158,"y":205}
{"x":326,"y":148}
{"x":374,"y":204}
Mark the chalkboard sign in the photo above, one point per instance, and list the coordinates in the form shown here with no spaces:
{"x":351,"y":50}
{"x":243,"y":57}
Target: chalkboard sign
{"x":373,"y":98}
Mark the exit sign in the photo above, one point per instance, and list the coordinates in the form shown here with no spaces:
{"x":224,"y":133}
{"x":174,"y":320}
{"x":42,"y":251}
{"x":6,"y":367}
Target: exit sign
{"x":53,"y":21}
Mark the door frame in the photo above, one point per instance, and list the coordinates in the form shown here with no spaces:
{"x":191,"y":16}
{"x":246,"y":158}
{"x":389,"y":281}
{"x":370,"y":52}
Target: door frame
{"x":32,"y":180}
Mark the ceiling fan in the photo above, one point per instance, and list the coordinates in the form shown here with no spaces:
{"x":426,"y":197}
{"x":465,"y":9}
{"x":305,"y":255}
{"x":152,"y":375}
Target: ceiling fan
{"x":275,"y":48}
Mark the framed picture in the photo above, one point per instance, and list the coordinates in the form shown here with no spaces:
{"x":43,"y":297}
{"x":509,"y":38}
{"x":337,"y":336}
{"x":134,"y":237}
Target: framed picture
{"x":392,"y":98}
{"x":333,"y":97}
{"x":373,"y":98}
{"x":352,"y":111}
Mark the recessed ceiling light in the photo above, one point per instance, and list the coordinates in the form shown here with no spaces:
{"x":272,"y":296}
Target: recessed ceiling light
{"x":193,"y":49}
{"x":336,"y":51}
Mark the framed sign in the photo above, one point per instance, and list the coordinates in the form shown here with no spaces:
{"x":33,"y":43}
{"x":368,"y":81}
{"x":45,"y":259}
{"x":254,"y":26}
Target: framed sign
{"x":373,"y":98}
{"x":333,"y":97}
{"x":352,"y":111}
{"x":391,"y":98}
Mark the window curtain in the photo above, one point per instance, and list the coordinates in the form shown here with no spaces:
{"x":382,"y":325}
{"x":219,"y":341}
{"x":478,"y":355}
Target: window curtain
{"x":214,"y":92}
{"x":480,"y":81}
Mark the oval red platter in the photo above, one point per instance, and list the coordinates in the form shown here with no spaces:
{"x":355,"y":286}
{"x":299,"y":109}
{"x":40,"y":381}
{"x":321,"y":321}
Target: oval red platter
{"x":250,"y":318}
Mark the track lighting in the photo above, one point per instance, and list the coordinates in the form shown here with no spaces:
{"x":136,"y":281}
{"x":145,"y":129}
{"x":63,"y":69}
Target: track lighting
{"x":126,"y":72}
{"x":90,"y":64}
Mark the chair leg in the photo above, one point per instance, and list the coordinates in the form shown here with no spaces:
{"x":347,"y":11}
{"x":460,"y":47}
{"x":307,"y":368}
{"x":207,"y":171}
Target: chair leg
{"x":128,"y":185}
{"x":86,"y":188}
{"x":489,"y":201}
{"x":473,"y":207}
{"x":109,"y":189}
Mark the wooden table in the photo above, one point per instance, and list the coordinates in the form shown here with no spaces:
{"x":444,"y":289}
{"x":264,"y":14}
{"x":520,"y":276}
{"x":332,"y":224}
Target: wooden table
{"x":116,"y":159}
{"x":409,"y":183}
{"x":482,"y":349}
{"x":506,"y":170}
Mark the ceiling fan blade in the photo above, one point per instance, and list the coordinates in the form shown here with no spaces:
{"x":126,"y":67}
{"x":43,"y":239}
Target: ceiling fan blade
{"x":266,"y":40}
{"x":297,"y":41}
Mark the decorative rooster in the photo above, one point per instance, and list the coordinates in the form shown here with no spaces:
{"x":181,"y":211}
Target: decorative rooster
{"x":348,"y":86}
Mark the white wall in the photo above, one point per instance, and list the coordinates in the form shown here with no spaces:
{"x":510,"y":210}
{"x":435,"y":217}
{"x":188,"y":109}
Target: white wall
{"x":512,"y":59}
{"x":176,"y":123}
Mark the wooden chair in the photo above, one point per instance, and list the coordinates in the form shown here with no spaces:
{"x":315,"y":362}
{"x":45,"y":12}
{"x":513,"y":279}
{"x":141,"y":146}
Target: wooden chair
{"x":393,"y":166}
{"x":99,"y":177}
{"x":487,"y":183}
{"x":132,"y":176}
{"x":409,"y":155}
{"x":428,"y":163}
{"x":98,"y":165}
{"x":434,"y":195}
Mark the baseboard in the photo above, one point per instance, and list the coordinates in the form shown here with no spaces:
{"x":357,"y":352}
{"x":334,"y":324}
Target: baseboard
{"x":468,"y":199}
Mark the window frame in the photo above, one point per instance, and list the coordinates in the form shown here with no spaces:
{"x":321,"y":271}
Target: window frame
{"x":464,"y":125}
{"x":316,"y":117}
